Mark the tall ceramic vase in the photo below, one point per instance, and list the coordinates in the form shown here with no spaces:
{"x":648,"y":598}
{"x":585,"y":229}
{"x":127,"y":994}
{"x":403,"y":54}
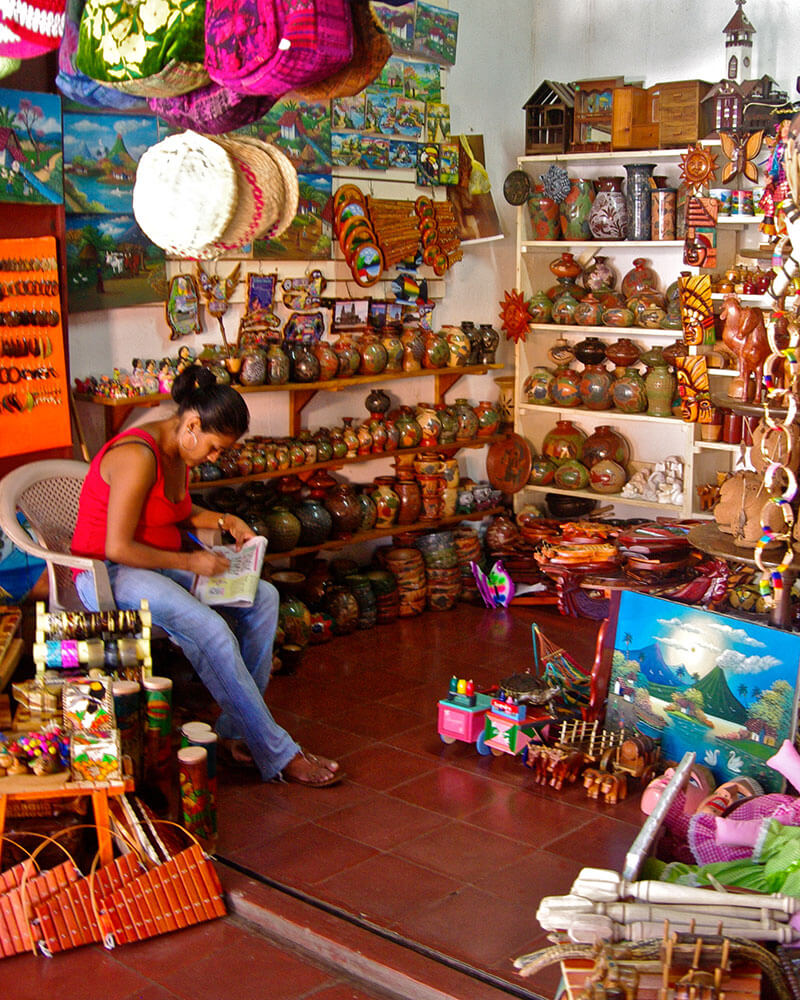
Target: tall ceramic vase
{"x":575,"y":209}
{"x":608,"y":219}
{"x":637,"y":199}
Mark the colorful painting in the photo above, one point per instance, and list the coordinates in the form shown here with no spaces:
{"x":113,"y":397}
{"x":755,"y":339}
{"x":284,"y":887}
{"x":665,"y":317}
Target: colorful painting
{"x":309,"y":237}
{"x":427,"y":164}
{"x":101,"y":153}
{"x":418,"y":80}
{"x":410,"y":118}
{"x":352,"y":149}
{"x":301,"y":129}
{"x":31,"y":158}
{"x":436,"y":33}
{"x":348,"y":112}
{"x":111,"y":263}
{"x":380,"y":113}
{"x":448,"y":162}
{"x":437,"y":122}
{"x":402,"y":153}
{"x":719,"y":686}
{"x":398,"y":23}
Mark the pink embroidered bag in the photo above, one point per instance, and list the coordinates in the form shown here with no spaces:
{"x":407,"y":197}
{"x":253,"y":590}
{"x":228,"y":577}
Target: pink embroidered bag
{"x":270,"y":47}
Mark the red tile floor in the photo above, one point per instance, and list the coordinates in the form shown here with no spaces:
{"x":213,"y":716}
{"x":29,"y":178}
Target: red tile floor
{"x":433,"y":843}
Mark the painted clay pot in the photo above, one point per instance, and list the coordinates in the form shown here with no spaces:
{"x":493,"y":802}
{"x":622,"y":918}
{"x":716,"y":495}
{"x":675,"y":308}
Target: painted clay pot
{"x":283,"y":528}
{"x":449,"y":423}
{"x":429,"y":422}
{"x":538,"y":385}
{"x":565,"y":266}
{"x":342,"y":607}
{"x":254,"y":367}
{"x":565,"y":387}
{"x":467,"y":420}
{"x":488,"y":418}
{"x":540,"y":308}
{"x":622,"y":353}
{"x":607,"y":476}
{"x":410,"y":499}
{"x":459,"y":345}
{"x":350,"y":437}
{"x":591,"y":351}
{"x":561,"y":352}
{"x":660,"y":385}
{"x":305,"y":366}
{"x":437,"y":351}
{"x":571,"y":475}
{"x":413,"y":350}
{"x":393,"y":346}
{"x":599,"y":274}
{"x":364,"y":439}
{"x":595,"y":387}
{"x":278,"y":366}
{"x":490,"y":340}
{"x":315,"y":522}
{"x":575,"y":210}
{"x":617,"y":316}
{"x":588,"y":311}
{"x":543,"y":469}
{"x":328,"y":360}
{"x":629,"y":393}
{"x":369,"y":512}
{"x":637,"y":199}
{"x":378,"y":433}
{"x":347,"y":353}
{"x":608,"y":219}
{"x":639,"y":278}
{"x":408,"y":427}
{"x":563,"y":442}
{"x":605,"y":442}
{"x":343,"y":506}
{"x":377,"y":401}
{"x":544,"y":214}
{"x":373,"y":355}
{"x":474,"y":335}
{"x":563,"y":311}
{"x":386,"y":501}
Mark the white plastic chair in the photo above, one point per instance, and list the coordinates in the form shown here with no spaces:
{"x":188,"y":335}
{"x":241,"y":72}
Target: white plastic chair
{"x":48,"y":493}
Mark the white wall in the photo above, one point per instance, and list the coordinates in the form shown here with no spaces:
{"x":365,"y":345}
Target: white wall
{"x":505,"y":49}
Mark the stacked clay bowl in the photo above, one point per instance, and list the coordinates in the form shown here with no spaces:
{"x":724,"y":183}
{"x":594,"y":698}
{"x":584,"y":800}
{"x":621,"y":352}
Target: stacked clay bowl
{"x":408,"y":567}
{"x":387,"y":596}
{"x":442,"y":569}
{"x":468,"y":550}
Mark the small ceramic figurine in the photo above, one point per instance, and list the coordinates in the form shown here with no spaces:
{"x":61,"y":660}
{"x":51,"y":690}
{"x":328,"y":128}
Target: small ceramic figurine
{"x":744,"y":333}
{"x":166,"y":376}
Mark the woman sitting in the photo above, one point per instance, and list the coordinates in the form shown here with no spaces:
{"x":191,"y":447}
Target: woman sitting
{"x":134,"y":502}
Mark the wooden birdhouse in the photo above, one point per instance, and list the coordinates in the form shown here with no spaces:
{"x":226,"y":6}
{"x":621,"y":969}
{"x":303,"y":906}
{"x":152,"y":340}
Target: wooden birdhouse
{"x":548,"y":118}
{"x":594,"y":101}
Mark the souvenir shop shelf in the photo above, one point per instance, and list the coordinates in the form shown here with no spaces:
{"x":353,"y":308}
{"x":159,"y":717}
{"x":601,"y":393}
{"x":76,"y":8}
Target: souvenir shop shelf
{"x":337,"y":463}
{"x":300,"y":394}
{"x":656,"y":508}
{"x":387,"y":532}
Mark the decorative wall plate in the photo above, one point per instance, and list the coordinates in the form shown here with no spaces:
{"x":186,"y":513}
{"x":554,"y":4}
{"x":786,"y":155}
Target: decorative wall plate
{"x":517,"y":187}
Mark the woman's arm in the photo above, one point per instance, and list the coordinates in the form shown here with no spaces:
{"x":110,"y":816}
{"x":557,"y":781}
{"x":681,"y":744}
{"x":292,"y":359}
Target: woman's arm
{"x":200,"y":517}
{"x":130,"y":473}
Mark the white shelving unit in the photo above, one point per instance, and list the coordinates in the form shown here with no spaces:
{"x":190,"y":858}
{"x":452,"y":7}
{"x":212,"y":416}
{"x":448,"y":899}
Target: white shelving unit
{"x":651,"y":439}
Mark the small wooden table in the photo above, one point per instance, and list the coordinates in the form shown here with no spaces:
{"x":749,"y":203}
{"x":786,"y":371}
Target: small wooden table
{"x":58,"y":786}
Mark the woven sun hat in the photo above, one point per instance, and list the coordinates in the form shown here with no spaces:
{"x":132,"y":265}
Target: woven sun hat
{"x":212,"y":109}
{"x":291,"y":186}
{"x":185,"y":193}
{"x":260,"y":193}
{"x":371,"y":50}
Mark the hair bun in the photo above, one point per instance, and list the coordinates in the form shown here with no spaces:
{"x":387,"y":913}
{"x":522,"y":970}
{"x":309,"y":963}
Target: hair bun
{"x":194,"y":379}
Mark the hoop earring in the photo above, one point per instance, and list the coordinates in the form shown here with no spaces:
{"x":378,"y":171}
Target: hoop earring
{"x":192,"y":447}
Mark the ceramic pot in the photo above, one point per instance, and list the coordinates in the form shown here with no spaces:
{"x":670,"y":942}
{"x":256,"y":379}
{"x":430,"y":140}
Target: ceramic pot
{"x":663,"y":206}
{"x":599,"y":275}
{"x":350,"y":437}
{"x":392,"y":435}
{"x":467,"y":420}
{"x":410,"y":499}
{"x":629,"y":393}
{"x":637,"y":199}
{"x":343,"y":506}
{"x":429,"y":422}
{"x":588,"y":311}
{"x":607,"y":476}
{"x":254,"y":367}
{"x":540,"y":308}
{"x":408,"y":428}
{"x":386,"y":501}
{"x":595,"y":387}
{"x":571,"y":475}
{"x":377,"y":401}
{"x":575,"y":210}
{"x":590,"y":351}
{"x":622,"y":353}
{"x":488,"y":418}
{"x":660,"y":385}
{"x":328,"y":360}
{"x":373,"y":355}
{"x":605,"y":442}
{"x":342,"y":607}
{"x":337,"y":442}
{"x":543,"y":469}
{"x":437,"y":351}
{"x":563,"y":285}
{"x":608,"y":219}
{"x":561,"y":353}
{"x":490,"y":339}
{"x":639,"y":279}
{"x":369,"y":512}
{"x":565,"y":387}
{"x":361,"y":589}
{"x":563,"y":442}
{"x":294,"y":619}
{"x":364,"y":439}
{"x":563,"y":311}
{"x":278,"y":365}
{"x":677,"y":349}
{"x":393,"y":346}
{"x":617,"y":316}
{"x":537,"y":387}
{"x":459,"y":345}
{"x":565,"y":266}
{"x":315,"y":521}
{"x":413,"y":350}
{"x":449,"y":423}
{"x":305,"y":366}
{"x":378,"y":432}
{"x":544,"y":214}
{"x":651,"y":318}
{"x":474,"y":335}
{"x":283,"y":528}
{"x":347,"y":353}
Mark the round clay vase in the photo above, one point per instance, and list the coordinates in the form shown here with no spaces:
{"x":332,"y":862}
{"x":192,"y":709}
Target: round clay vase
{"x":459,"y":344}
{"x":410,"y":499}
{"x":637,"y":199}
{"x":591,"y":351}
{"x":488,"y":418}
{"x":413,"y":350}
{"x":537,"y":387}
{"x":254,"y":367}
{"x":373,"y":355}
{"x":408,"y":428}
{"x":571,"y":475}
{"x":393,"y":346}
{"x":347,"y":353}
{"x":431,"y":426}
{"x":660,"y":385}
{"x":474,"y":335}
{"x":622,"y":353}
{"x":342,"y":504}
{"x":608,"y":219}
{"x":640,"y":278}
{"x":315,"y":521}
{"x":588,"y":311}
{"x":369,"y":512}
{"x":544,"y":214}
{"x":595,"y":387}
{"x":377,"y":401}
{"x":305,"y":366}
{"x":575,"y":210}
{"x":607,"y":476}
{"x":565,"y":266}
{"x":563,"y":310}
{"x":278,"y":365}
{"x":629,"y":393}
{"x":490,"y":340}
{"x":328,"y":360}
{"x":540,"y":308}
{"x":449,"y":422}
{"x":467,"y":420}
{"x":350,"y":437}
{"x":617,"y":316}
{"x":378,"y":433}
{"x":561,"y":353}
{"x":565,"y":388}
{"x":338,"y":443}
{"x":599,"y":275}
{"x":294,"y":619}
{"x":283,"y":528}
{"x":563,"y":442}
{"x":386,"y":501}
{"x":605,"y":442}
{"x":437,"y":351}
{"x":543,"y":469}
{"x":364,"y":436}
{"x":342,"y":607}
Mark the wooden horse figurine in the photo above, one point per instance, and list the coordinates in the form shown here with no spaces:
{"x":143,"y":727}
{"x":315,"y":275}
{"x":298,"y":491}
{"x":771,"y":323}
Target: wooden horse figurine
{"x":743,"y":331}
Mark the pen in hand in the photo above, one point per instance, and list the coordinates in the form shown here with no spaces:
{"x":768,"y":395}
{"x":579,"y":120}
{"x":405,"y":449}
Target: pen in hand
{"x":197,"y":541}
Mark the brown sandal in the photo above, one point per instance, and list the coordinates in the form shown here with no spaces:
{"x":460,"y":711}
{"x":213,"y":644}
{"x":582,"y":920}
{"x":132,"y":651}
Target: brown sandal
{"x":332,"y":778}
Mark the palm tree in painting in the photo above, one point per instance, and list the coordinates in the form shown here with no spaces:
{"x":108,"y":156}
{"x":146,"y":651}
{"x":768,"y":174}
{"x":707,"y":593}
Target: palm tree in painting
{"x":628,"y":639}
{"x":8,"y":118}
{"x":742,"y":691}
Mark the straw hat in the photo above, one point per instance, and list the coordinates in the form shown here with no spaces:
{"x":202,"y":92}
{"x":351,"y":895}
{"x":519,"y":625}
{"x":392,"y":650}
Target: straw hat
{"x":185,"y":193}
{"x":259,"y":189}
{"x":291,"y":186}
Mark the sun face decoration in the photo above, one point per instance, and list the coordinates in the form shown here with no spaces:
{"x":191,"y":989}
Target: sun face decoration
{"x":515,"y":316}
{"x":698,"y":166}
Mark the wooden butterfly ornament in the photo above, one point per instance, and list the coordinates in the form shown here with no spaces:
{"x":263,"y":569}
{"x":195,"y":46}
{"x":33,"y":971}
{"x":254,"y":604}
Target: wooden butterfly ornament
{"x":741,"y":150}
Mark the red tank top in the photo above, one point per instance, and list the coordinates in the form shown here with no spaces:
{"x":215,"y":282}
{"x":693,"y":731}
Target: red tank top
{"x":159,"y":517}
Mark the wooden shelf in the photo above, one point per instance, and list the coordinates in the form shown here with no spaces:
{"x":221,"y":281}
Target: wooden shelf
{"x":608,"y":497}
{"x":601,"y":414}
{"x":528,"y":245}
{"x":395,"y":529}
{"x":716,"y":446}
{"x":616,"y":155}
{"x":301,"y":393}
{"x":337,"y":463}
{"x":612,"y":331}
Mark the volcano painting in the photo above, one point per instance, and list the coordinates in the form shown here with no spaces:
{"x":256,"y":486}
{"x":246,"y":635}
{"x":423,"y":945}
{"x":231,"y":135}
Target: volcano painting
{"x":696,"y":680}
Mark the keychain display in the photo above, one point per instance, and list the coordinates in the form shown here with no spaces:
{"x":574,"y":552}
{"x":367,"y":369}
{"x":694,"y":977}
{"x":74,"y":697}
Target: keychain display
{"x":33,"y":387}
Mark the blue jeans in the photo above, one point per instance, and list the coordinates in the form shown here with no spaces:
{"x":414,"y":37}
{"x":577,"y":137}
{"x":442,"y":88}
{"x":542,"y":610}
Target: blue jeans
{"x":230,"y":649}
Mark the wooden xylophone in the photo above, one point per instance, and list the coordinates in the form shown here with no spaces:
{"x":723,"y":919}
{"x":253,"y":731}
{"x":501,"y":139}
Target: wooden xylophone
{"x":24,"y":893}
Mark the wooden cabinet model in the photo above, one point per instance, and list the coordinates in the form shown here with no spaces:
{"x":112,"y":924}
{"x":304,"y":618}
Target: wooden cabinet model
{"x":594,"y":99}
{"x":679,"y":110}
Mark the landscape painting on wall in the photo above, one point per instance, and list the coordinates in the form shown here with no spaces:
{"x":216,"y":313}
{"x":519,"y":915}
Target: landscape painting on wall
{"x":309,"y":234}
{"x":699,"y":681}
{"x":31,"y":159}
{"x":101,"y":153}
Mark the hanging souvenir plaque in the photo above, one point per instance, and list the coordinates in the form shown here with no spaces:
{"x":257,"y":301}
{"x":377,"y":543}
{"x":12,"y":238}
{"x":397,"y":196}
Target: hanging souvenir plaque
{"x":183,"y":307}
